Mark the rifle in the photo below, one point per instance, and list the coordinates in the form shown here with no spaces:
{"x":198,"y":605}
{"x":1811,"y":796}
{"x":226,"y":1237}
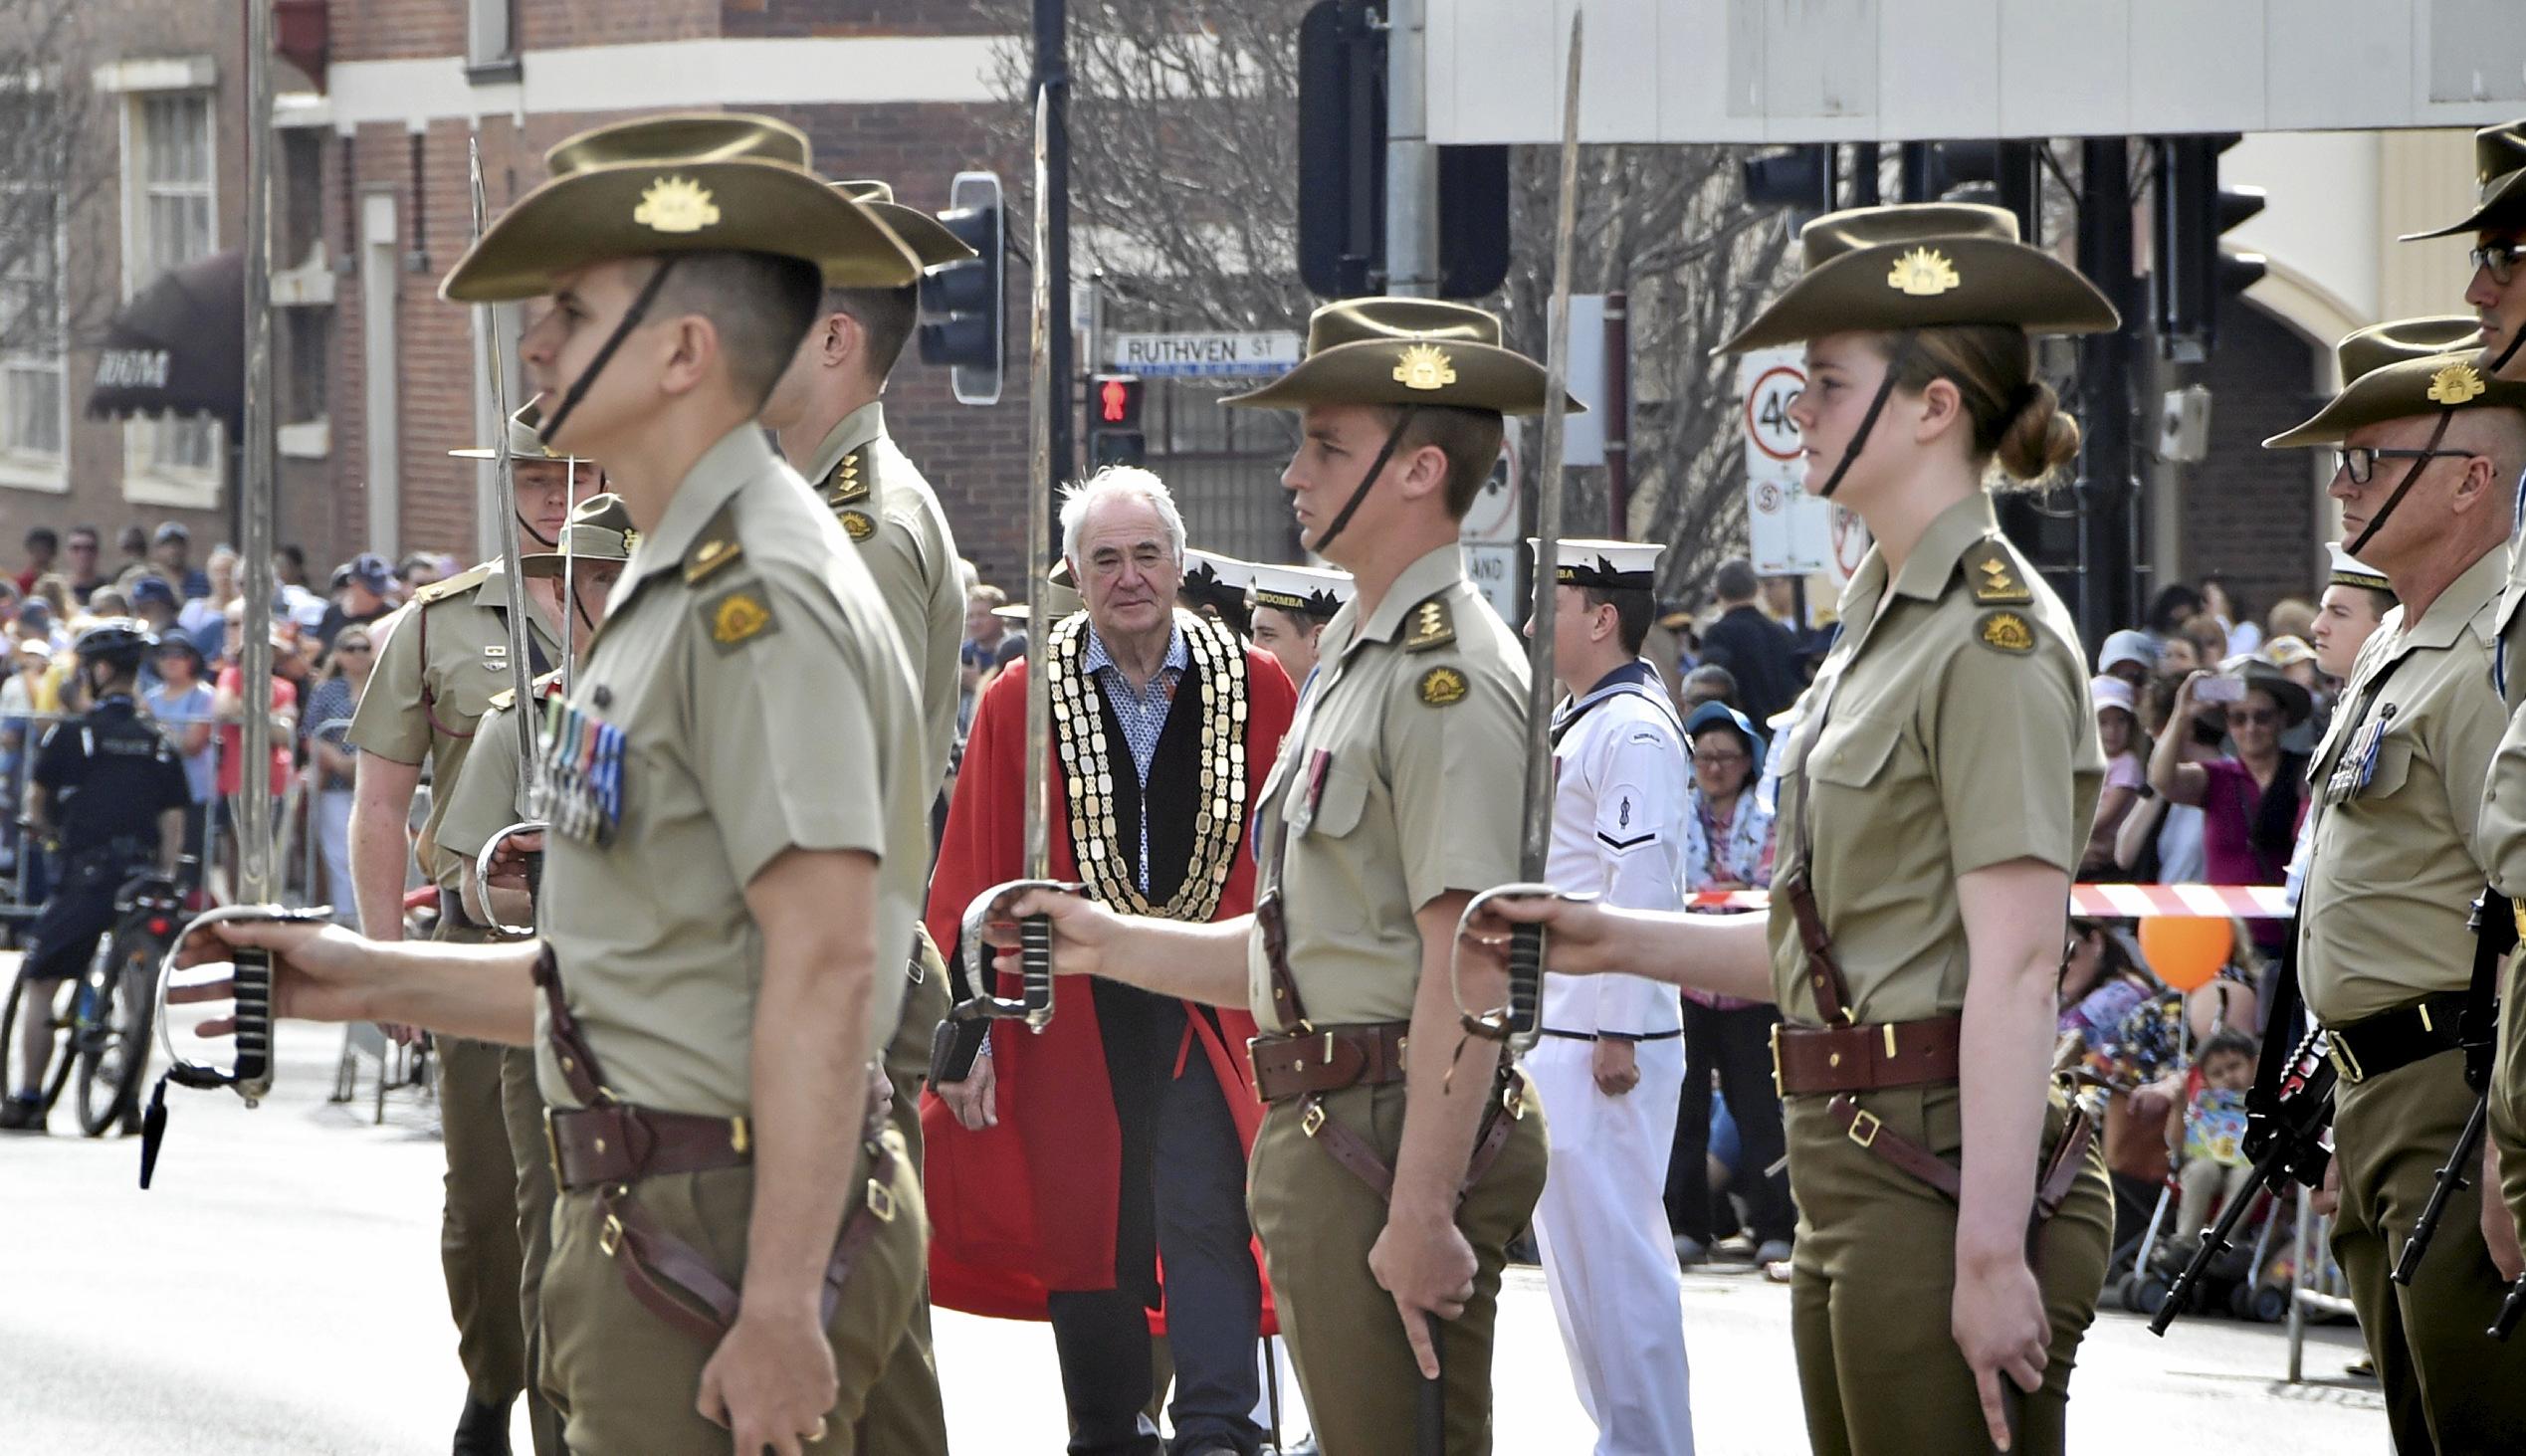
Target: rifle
{"x":2495,"y":926}
{"x":2287,"y":1145}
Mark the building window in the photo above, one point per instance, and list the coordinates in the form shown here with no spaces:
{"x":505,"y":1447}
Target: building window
{"x":169,"y":167}
{"x":491,"y":40}
{"x":34,"y":410}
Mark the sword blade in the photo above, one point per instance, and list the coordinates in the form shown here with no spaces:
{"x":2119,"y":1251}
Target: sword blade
{"x":1039,"y":518}
{"x":505,"y":489}
{"x":1536,"y":831}
{"x":258,"y":474}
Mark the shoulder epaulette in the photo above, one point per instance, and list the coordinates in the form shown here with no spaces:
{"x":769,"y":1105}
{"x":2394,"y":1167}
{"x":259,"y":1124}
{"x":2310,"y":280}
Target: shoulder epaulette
{"x":465,"y":580}
{"x":1993,"y":575}
{"x":715,"y":546}
{"x":1432,"y":624}
{"x":849,"y":479}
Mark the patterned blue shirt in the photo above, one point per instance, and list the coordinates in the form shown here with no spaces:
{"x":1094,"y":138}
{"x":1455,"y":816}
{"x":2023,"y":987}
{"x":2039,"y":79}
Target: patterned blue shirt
{"x":1142,"y":714}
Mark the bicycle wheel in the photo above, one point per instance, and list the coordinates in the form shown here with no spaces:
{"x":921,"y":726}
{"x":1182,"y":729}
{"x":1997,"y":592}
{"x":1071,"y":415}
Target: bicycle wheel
{"x":113,"y":1051}
{"x":50,"y":1077}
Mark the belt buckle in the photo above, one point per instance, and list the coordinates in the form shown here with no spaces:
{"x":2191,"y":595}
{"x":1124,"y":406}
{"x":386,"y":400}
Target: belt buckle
{"x":611,"y":1238}
{"x":2344,"y":1059}
{"x":1512,"y":1098}
{"x":1863,"y":1128}
{"x":553,"y":1146}
{"x":1312,"y":1121}
{"x":739,"y":1136}
{"x":881,"y":1201}
{"x":1776,"y":1061}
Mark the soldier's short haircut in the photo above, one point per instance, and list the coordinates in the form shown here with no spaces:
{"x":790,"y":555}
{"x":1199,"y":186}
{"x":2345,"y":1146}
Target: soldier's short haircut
{"x":885,"y":315}
{"x":1469,"y":438}
{"x":760,"y":303}
{"x":1634,"y":609}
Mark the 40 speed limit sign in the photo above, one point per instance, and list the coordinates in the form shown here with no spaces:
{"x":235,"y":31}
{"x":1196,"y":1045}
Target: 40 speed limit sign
{"x":1789,"y":532}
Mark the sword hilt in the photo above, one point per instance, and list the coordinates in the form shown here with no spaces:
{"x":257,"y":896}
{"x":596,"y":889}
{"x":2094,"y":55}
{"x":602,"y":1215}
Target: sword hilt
{"x":1035,"y":971}
{"x":1033,"y":1003}
{"x":1525,"y":986}
{"x":252,"y":974}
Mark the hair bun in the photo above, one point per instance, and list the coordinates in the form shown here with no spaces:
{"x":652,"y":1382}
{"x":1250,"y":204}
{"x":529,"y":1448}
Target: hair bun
{"x":2040,"y":439}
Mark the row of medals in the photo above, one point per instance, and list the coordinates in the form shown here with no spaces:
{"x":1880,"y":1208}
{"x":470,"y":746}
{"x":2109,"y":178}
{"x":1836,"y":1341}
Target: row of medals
{"x":1088,"y":771}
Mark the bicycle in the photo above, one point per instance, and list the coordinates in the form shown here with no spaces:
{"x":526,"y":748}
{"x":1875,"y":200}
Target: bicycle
{"x":103,"y":1019}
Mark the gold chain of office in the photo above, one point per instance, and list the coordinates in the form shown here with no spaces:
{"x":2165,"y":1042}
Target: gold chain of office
{"x":1088,"y":769}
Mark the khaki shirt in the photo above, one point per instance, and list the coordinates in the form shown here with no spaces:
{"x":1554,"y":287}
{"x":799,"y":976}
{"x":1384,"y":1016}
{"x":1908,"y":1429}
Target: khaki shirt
{"x":753,"y":696}
{"x":2397,"y":810}
{"x":885,"y":506}
{"x":489,"y":795}
{"x":1399,"y":782}
{"x":1948,"y":731}
{"x":467,"y":662}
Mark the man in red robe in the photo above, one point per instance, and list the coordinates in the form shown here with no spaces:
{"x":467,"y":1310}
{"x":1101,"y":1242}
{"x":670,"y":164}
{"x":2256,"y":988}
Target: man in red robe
{"x":1068,"y":1165}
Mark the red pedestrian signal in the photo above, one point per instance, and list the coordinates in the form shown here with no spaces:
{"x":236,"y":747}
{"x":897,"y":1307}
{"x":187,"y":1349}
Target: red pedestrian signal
{"x":1116,"y":399}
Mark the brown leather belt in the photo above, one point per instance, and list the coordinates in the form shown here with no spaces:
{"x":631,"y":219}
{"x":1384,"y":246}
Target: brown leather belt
{"x":1329,"y":1059}
{"x":622,"y":1143}
{"x":1864,"y":1058}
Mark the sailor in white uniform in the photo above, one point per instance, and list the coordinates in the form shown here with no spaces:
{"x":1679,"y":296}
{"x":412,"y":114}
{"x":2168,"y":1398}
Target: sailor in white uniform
{"x":1610,"y":1064}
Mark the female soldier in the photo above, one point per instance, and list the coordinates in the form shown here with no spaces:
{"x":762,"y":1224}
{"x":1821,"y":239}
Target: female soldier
{"x":1937,"y":792}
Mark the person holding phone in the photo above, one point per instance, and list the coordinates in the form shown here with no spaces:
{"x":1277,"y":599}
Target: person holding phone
{"x":2251,"y":798}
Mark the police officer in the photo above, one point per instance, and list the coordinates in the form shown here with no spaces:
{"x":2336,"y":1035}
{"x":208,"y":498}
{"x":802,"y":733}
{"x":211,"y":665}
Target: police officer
{"x":2384,"y":957}
{"x":1384,"y":1189}
{"x":832,"y":426}
{"x":1937,"y":793}
{"x":108,"y":788}
{"x":736,"y":823}
{"x":439,"y":661}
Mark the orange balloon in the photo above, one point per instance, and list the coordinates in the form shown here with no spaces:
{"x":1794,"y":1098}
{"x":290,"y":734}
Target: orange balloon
{"x":2186,"y":950}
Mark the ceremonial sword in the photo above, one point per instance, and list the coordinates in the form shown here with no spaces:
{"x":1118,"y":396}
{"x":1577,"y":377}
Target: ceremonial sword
{"x":1034,"y":1003}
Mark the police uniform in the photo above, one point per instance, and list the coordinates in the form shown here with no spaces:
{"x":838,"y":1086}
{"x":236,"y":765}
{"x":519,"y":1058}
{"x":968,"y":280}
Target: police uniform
{"x":744,"y":698}
{"x":1389,"y":791}
{"x":110,"y":774}
{"x":2384,"y":957}
{"x":1620,"y":771}
{"x":887,"y":508}
{"x":440,"y":659}
{"x":1948,"y":731}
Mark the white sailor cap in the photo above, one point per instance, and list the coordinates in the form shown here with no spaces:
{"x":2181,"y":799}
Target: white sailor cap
{"x":1311,"y":590}
{"x":1209,"y":571}
{"x":1609,"y":565}
{"x":2350,"y":570}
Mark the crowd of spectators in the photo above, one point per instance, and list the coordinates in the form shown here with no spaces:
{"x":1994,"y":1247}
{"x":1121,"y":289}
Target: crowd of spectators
{"x":193,"y":684}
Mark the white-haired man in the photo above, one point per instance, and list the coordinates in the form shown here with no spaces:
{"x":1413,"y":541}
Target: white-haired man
{"x":1043,"y":1207}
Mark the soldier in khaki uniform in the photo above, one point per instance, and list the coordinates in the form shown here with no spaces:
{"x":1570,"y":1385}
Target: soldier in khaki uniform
{"x":1937,"y":789}
{"x":737,"y":819}
{"x":832,"y":427}
{"x":2384,"y":954}
{"x":439,"y":661}
{"x":1384,"y":1189}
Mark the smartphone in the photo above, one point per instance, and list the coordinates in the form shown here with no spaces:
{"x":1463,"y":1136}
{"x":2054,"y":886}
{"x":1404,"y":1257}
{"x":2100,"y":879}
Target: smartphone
{"x":2220,"y":689}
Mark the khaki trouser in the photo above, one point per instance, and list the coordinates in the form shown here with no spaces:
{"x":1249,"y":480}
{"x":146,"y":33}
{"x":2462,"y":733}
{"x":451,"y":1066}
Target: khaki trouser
{"x":1317,"y":1220}
{"x":522,"y":1106}
{"x":2508,"y":1092}
{"x":629,"y":1380}
{"x":906,"y":1415}
{"x":2447,"y":1387}
{"x":478,"y":1230}
{"x":1873,"y":1281}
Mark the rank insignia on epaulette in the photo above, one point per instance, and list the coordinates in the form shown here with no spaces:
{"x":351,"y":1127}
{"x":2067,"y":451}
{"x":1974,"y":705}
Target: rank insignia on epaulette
{"x":1442,"y":685}
{"x":739,"y":616}
{"x":2005,"y":632}
{"x":715,"y":547}
{"x":858,"y":526}
{"x":848,"y":483}
{"x":1993,"y":579}
{"x":1433,"y":626}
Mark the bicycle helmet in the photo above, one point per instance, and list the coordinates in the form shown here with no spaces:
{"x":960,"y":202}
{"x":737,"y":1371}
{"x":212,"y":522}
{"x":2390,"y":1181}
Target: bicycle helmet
{"x":119,"y":642}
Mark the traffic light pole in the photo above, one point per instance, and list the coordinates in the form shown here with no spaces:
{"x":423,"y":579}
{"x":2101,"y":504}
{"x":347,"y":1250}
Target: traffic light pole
{"x":1052,"y":73}
{"x":1411,"y":164}
{"x":2107,"y":589}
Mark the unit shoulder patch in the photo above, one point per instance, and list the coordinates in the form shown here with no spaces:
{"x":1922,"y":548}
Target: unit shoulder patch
{"x":739,"y":615}
{"x":2007,"y":632}
{"x":1992,"y":576}
{"x":715,"y":546}
{"x":1442,"y":685}
{"x":1431,"y":624}
{"x":462,"y":581}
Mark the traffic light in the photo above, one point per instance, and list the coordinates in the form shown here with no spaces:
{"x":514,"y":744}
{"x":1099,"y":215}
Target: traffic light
{"x":1114,"y":420}
{"x":1799,"y":179}
{"x":2193,"y":275}
{"x":964,"y":322}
